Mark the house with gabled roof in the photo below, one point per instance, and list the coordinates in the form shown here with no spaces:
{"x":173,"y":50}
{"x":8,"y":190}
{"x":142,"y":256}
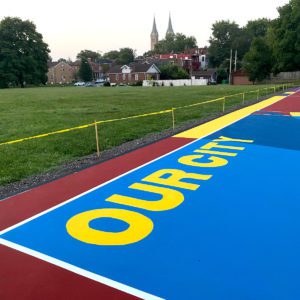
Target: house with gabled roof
{"x":133,"y":73}
{"x":60,"y":73}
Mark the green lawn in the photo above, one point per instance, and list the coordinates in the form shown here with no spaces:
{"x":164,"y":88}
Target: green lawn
{"x":32,"y":111}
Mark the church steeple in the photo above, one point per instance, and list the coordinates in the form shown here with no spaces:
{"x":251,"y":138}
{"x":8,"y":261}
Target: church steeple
{"x":154,"y":35}
{"x":170,"y":27}
{"x":154,"y":29}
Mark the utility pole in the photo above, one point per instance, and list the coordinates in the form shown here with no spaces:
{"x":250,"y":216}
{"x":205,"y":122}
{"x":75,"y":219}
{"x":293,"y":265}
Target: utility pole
{"x":235,"y":60}
{"x":191,"y":71}
{"x":230,"y":66}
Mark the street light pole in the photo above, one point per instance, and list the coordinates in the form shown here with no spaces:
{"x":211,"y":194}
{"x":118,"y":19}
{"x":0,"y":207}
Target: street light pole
{"x":230,"y":66}
{"x":235,"y":60}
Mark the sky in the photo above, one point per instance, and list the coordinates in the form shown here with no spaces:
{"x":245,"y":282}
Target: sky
{"x":71,"y":26}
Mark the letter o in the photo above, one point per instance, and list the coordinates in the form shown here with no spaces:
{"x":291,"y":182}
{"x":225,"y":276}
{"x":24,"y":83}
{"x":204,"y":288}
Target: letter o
{"x":139,"y":227}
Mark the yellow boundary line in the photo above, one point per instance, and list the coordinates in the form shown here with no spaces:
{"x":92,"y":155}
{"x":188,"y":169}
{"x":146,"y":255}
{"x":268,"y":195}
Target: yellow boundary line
{"x":295,"y":114}
{"x":139,"y":116}
{"x":217,"y":124}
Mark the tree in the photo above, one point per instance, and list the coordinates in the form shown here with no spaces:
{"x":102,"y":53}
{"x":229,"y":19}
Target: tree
{"x":126,"y":56}
{"x":253,"y":29}
{"x":259,"y":60}
{"x":85,"y":71}
{"x":23,"y":54}
{"x":257,"y":28}
{"x":171,"y":71}
{"x":113,"y":55}
{"x":284,"y":37}
{"x":122,"y":57}
{"x":86,"y":54}
{"x":224,"y":37}
{"x":175,"y":43}
{"x":149,"y":53}
{"x":222,"y":74}
{"x":228,"y":35}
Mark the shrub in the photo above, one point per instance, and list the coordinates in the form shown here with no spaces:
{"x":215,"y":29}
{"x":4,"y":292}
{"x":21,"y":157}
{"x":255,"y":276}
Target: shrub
{"x":138,"y":83}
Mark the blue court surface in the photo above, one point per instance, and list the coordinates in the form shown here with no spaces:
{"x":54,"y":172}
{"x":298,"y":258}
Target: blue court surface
{"x":216,"y":219}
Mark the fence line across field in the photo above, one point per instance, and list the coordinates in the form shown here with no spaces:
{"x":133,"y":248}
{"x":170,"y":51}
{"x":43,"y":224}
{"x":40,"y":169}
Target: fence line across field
{"x":172,"y":111}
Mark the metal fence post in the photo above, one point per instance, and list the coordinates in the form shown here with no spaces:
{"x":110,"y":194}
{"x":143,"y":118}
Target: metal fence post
{"x":173,"y":118}
{"x":97,"y":139}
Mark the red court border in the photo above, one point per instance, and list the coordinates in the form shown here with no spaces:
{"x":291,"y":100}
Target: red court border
{"x":285,"y":106}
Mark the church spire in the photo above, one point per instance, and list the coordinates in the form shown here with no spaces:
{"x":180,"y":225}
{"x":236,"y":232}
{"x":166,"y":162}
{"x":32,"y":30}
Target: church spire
{"x":170,"y":27}
{"x":154,"y":35}
{"x":154,"y":29}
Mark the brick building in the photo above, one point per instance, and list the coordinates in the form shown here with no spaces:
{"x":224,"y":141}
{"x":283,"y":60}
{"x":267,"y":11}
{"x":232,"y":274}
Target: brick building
{"x":240,"y":77}
{"x":133,"y":73}
{"x":60,"y":73}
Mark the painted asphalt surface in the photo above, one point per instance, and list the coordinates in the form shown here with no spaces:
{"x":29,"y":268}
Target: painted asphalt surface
{"x":208,"y":214}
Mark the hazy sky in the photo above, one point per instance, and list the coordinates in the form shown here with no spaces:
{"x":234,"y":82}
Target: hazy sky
{"x":70,"y":26}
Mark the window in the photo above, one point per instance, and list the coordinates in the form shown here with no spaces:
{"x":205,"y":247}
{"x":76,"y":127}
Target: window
{"x":117,"y":76}
{"x":124,"y":76}
{"x":129,"y":76}
{"x":136,"y":77}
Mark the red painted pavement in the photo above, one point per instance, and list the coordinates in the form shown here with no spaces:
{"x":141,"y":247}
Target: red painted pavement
{"x":287,"y":105}
{"x":26,"y":277}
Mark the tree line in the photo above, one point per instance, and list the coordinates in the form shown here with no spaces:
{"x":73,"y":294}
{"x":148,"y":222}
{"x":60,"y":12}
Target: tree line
{"x":123,"y":56}
{"x":264,"y":46}
{"x":24,"y":56}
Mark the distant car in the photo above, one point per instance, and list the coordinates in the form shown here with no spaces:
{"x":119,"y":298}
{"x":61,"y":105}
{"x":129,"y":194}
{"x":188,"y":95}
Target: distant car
{"x":212,"y":82}
{"x":79,"y":83}
{"x":99,"y":81}
{"x":90,"y":84}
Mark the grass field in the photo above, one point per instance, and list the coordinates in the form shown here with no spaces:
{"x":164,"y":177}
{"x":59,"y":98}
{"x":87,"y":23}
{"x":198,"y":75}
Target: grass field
{"x":32,"y":111}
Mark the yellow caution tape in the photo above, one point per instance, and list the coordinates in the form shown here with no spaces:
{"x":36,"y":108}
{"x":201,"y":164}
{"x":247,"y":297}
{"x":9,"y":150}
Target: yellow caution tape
{"x":134,"y":117}
{"x":199,"y":103}
{"x":125,"y":118}
{"x":46,"y":134}
{"x":83,"y":127}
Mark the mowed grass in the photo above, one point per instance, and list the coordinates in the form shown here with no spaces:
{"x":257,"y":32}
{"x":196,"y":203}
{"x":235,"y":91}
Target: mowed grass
{"x":33,"y":111}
